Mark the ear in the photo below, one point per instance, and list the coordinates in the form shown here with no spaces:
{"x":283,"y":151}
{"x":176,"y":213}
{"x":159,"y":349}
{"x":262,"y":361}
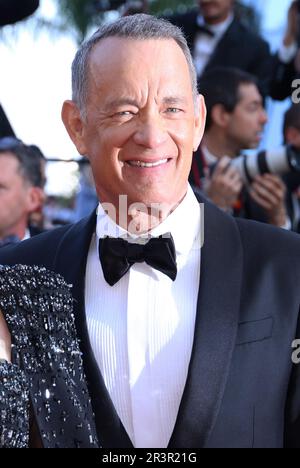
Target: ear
{"x":200,"y":119}
{"x":35,"y":199}
{"x":292,"y":135}
{"x":74,"y":125}
{"x":220,"y":116}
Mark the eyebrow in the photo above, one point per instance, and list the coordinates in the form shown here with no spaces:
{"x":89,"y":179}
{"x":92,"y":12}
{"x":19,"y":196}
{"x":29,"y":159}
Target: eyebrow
{"x":114,"y":103}
{"x":175,"y":100}
{"x":256,"y":102}
{"x":169,"y":100}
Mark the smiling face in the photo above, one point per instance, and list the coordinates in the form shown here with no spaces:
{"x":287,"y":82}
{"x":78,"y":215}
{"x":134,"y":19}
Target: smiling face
{"x":140,"y":126}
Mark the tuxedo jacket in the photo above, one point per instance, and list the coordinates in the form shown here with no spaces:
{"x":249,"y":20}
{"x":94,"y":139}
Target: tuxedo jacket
{"x":241,"y":48}
{"x":242,"y":387}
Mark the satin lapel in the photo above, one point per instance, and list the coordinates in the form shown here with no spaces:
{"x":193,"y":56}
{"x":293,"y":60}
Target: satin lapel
{"x":70,"y":261}
{"x":215,"y":330}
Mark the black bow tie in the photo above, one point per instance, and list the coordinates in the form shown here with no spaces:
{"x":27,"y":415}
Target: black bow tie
{"x":202,"y":29}
{"x":117,"y":256}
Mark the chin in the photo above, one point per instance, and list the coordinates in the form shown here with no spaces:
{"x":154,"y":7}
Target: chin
{"x":254,"y":144}
{"x":151,"y":197}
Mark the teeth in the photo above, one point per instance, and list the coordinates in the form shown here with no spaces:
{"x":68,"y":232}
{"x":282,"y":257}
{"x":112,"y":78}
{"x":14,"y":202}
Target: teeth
{"x":144,"y":164}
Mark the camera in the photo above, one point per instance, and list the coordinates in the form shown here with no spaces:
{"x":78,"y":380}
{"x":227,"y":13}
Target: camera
{"x":281,"y":161}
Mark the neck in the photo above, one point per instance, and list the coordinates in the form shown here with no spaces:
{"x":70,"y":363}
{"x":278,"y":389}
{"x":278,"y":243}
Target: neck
{"x":18,"y":231}
{"x":218,"y":20}
{"x":138,"y":217}
{"x":219,"y":145}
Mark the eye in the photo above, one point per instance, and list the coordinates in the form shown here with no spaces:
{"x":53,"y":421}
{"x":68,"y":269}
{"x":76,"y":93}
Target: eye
{"x":125,"y":113}
{"x":173,"y":110}
{"x":253,"y":107}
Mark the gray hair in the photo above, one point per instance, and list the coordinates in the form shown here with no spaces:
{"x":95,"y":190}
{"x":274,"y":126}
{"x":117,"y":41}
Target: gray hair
{"x":141,"y":27}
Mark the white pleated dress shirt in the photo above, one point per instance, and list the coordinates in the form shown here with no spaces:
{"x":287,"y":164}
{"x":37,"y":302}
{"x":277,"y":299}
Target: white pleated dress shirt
{"x":141,"y":329}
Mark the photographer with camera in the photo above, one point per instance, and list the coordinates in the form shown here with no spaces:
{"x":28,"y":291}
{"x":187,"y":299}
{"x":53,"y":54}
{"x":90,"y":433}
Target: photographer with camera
{"x":235,"y":122}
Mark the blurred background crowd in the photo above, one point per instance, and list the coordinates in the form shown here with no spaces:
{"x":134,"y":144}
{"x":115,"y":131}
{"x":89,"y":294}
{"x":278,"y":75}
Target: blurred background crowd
{"x":247,"y":58}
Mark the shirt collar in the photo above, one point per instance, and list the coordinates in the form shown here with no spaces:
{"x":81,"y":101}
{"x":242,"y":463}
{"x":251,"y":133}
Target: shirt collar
{"x":217,"y":29}
{"x":183,"y":223}
{"x":208,"y":156}
{"x":26,"y":235}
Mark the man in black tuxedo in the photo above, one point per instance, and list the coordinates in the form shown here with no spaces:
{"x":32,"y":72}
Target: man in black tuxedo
{"x":182,"y":346}
{"x":217,"y":37}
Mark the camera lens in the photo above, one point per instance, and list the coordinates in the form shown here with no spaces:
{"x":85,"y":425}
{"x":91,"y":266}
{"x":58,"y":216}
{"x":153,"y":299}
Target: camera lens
{"x":280,"y":161}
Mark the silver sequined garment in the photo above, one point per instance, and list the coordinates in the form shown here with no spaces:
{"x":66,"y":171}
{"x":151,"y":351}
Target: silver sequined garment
{"x":47,"y":371}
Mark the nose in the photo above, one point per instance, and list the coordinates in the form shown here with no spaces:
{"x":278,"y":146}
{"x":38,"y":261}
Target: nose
{"x":263,"y":117}
{"x":151,"y":132}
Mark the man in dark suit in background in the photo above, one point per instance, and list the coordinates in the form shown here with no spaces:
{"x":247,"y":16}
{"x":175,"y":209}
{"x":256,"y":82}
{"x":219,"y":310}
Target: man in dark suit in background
{"x":217,"y":38}
{"x":22,"y":182}
{"x":182,"y":346}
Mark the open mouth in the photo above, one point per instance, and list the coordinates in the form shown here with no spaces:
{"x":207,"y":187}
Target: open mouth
{"x":138,"y":163}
